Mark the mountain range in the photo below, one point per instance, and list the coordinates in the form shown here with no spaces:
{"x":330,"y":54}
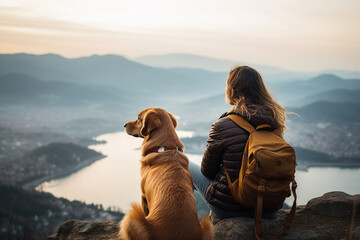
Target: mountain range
{"x":113,"y":89}
{"x":114,"y":76}
{"x":270,"y":73}
{"x":117,"y":72}
{"x":292,"y":92}
{"x":18,"y":88}
{"x":327,"y":112}
{"x":334,"y":95}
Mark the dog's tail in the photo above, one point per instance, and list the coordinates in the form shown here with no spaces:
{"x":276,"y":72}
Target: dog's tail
{"x":134,"y":225}
{"x":207,"y":229}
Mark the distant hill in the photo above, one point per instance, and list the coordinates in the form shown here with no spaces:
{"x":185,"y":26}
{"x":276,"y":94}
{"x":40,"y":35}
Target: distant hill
{"x":270,"y":73}
{"x":63,"y":154}
{"x":288,"y":92}
{"x":30,"y":168}
{"x":24,"y":89}
{"x":181,"y":60}
{"x":51,"y":67}
{"x":116,"y":71}
{"x":333,"y":81}
{"x":327,"y":112}
{"x":307,"y":155}
{"x":35,"y":215}
{"x":70,"y":108}
{"x":335,"y":95}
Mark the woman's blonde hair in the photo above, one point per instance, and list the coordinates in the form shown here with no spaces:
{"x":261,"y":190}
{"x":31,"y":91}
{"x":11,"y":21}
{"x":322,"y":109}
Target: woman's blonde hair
{"x":245,"y":89}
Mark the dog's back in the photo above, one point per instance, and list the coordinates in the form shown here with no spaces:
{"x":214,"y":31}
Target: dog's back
{"x":168,"y":208}
{"x":167,"y":183}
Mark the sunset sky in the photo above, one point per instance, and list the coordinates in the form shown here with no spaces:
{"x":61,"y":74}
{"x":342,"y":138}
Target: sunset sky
{"x":296,"y":35}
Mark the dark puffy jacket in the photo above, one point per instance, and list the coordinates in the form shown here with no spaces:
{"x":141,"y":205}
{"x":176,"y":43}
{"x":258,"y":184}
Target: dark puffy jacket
{"x":225,"y":147}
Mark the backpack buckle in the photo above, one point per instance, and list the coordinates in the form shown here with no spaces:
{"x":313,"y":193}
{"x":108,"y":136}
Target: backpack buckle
{"x":261,"y":189}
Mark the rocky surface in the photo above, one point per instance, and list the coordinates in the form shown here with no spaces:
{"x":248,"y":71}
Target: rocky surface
{"x":76,"y":230}
{"x":335,"y":215}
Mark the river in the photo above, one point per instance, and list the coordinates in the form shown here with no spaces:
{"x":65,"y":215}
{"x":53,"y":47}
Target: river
{"x":115,"y":179}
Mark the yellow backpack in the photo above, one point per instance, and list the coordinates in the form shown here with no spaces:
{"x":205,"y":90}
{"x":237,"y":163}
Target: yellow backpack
{"x":268,"y":168}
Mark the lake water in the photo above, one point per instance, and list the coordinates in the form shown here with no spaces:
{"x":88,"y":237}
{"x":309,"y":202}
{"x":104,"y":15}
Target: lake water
{"x":115,"y":179}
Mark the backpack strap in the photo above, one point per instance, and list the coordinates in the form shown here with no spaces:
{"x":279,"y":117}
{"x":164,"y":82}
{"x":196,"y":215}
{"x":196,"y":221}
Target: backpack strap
{"x":258,"y":210}
{"x":262,"y":126}
{"x":292,"y":211}
{"x":291,"y":215}
{"x":259,"y":206}
{"x":242,"y":123}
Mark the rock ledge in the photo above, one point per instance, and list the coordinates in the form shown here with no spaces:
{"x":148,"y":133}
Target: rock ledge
{"x":335,"y":215}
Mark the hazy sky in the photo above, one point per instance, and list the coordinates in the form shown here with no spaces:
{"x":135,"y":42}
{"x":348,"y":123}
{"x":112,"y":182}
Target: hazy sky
{"x":296,"y":35}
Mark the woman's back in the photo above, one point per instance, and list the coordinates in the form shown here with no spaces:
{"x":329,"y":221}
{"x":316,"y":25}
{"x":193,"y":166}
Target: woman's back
{"x":225,"y":146}
{"x":247,"y":93}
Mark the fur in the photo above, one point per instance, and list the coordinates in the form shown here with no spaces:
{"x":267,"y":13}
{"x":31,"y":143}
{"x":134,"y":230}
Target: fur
{"x":168,"y":209}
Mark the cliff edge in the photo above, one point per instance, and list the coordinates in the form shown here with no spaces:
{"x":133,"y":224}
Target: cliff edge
{"x":335,"y":215}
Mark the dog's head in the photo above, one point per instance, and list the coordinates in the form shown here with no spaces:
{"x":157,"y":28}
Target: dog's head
{"x":149,"y":120}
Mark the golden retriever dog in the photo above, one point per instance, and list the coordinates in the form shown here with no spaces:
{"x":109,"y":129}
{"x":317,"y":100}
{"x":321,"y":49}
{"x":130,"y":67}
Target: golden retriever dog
{"x":167,"y":209}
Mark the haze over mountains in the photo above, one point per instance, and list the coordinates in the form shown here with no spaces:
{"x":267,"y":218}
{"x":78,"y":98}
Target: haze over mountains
{"x":179,"y":60}
{"x":69,"y":93}
{"x":181,"y":84}
{"x":115,"y":71}
{"x":18,"y":88}
{"x":110,"y":87}
{"x":329,"y":90}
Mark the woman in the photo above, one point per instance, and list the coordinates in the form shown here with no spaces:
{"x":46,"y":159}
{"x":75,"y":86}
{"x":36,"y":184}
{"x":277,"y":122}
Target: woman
{"x":246,"y":91}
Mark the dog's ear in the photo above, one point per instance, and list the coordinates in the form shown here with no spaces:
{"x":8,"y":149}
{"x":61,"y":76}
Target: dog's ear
{"x":151,"y":121}
{"x":173,"y":119}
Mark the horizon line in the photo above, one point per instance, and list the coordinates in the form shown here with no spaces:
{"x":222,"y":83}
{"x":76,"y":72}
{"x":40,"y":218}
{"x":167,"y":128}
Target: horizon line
{"x":178,"y":53}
